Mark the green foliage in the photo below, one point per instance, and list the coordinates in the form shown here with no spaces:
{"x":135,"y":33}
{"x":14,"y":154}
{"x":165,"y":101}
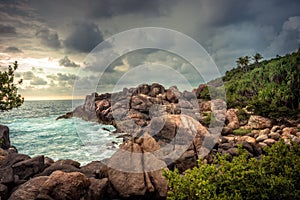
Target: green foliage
{"x":242,"y":115}
{"x":9,"y":97}
{"x":204,"y":94}
{"x":275,"y":176}
{"x":270,"y":87}
{"x":241,"y":131}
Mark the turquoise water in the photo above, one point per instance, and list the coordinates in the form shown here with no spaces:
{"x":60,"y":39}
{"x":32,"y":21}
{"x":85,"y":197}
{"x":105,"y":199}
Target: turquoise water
{"x":34,"y":131}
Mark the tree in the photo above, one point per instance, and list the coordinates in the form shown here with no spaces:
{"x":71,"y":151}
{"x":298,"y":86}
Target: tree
{"x":9,"y":97}
{"x":243,"y":62}
{"x":257,"y":57}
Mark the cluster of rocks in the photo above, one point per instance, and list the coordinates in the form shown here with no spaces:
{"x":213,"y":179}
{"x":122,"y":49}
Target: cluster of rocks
{"x":26,"y":178}
{"x":253,"y":135}
{"x":135,"y":174}
{"x":162,"y":129}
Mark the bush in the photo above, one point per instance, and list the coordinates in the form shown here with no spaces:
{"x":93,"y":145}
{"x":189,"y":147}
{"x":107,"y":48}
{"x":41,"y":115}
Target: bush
{"x":9,"y":97}
{"x":275,"y":176}
{"x":241,"y":131}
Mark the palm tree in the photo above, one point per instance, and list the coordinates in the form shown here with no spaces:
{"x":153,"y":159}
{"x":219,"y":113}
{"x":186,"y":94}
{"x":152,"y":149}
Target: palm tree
{"x":257,"y":57}
{"x":243,"y":62}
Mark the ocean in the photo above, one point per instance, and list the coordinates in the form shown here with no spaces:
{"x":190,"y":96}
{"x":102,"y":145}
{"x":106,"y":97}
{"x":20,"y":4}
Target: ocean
{"x":35,"y":131}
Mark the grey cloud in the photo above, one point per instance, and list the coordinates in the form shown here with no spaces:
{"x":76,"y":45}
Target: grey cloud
{"x":83,"y":37}
{"x":96,"y":9}
{"x":109,"y":8}
{"x":12,"y":50}
{"x":38,"y":81}
{"x":28,"y":75}
{"x":66,"y":62}
{"x":288,"y":39}
{"x":48,"y":38}
{"x":63,"y":79}
{"x":7,"y":30}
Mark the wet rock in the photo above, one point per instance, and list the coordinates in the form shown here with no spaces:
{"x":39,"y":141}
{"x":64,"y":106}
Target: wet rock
{"x":65,"y":116}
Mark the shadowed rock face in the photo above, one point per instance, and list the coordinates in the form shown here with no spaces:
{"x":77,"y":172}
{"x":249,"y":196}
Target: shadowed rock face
{"x":4,"y":137}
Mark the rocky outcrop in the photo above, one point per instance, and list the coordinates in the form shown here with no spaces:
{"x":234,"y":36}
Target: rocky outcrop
{"x":162,"y":129}
{"x":4,"y":137}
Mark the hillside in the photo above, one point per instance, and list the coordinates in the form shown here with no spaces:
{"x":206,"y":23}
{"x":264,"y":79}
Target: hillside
{"x":269,"y":88}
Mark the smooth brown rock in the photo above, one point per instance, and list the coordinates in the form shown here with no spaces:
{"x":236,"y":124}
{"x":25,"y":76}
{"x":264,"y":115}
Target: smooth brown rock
{"x":261,"y":138}
{"x":97,"y":188}
{"x":62,"y":165}
{"x":290,"y":130}
{"x":27,"y":168}
{"x":269,"y":141}
{"x":274,"y":136}
{"x":6,"y":175}
{"x":95,"y":169}
{"x":62,"y":186}
{"x":29,"y":190}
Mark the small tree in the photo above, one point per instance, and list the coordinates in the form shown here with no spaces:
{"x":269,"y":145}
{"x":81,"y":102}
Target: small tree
{"x":243,"y":62}
{"x":257,"y":57}
{"x":9,"y":97}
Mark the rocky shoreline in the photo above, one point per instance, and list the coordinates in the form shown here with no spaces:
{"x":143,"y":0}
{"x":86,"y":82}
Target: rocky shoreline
{"x":154,"y":121}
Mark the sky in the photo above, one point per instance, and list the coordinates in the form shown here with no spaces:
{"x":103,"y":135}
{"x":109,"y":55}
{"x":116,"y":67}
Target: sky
{"x":53,"y":40}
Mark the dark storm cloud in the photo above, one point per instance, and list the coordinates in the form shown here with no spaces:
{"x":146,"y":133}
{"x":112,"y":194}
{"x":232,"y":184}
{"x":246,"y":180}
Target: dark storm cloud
{"x":12,"y":50}
{"x":221,"y":13}
{"x":102,"y":8}
{"x":109,"y":8}
{"x":48,"y":38}
{"x":83,"y":37}
{"x":7,"y":30}
{"x":66,"y":62}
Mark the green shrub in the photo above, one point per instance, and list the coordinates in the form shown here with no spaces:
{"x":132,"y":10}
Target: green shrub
{"x":241,"y":131}
{"x":275,"y":176}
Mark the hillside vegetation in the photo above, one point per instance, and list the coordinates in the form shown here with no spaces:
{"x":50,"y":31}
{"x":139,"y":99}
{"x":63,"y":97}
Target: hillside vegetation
{"x":270,"y":88}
